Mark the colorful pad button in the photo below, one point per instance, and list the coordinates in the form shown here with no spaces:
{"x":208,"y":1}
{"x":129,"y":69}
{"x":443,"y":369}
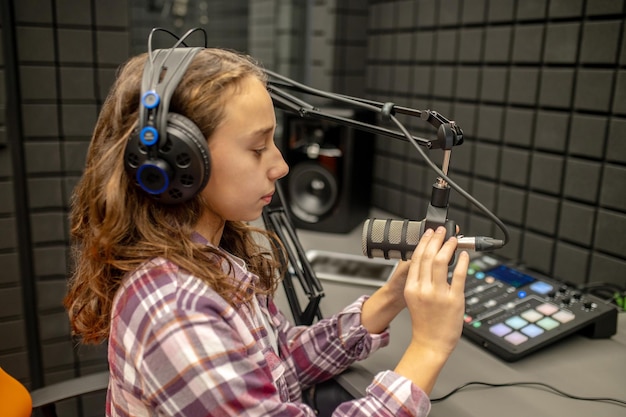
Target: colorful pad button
{"x":516,"y":338}
{"x":531,"y":315}
{"x":547,"y":309}
{"x":541,"y":287}
{"x":516,"y":322}
{"x":564,"y":316}
{"x":500,"y":329}
{"x":532,"y":331}
{"x":548,"y":323}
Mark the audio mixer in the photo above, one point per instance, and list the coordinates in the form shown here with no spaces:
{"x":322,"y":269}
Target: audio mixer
{"x":508,"y":311}
{"x":512,"y":312}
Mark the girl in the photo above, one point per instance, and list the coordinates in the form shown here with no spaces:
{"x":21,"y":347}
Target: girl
{"x":183,"y":292}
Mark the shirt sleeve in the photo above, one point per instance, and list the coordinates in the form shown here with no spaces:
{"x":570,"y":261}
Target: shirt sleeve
{"x":329,"y":346}
{"x":388,"y":395}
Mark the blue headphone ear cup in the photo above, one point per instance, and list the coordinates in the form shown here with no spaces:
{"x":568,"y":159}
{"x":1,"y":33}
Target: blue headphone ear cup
{"x":178,"y":170}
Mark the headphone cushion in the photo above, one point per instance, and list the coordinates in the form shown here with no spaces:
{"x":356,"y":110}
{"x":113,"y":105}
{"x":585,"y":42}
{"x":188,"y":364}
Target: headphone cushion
{"x":184,"y":155}
{"x":186,"y":138}
{"x":183,"y":124}
{"x":181,"y":127}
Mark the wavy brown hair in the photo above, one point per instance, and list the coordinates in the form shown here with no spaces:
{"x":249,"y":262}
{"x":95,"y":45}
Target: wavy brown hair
{"x":115,"y":226}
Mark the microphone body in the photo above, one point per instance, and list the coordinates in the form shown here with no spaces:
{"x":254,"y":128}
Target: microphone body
{"x":390,"y":239}
{"x":397,"y":239}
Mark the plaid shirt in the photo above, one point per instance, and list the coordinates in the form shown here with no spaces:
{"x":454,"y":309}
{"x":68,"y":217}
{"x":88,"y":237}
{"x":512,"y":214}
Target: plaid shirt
{"x":176,"y":348}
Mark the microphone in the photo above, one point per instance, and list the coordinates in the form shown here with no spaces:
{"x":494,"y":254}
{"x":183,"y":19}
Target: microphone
{"x":397,"y":239}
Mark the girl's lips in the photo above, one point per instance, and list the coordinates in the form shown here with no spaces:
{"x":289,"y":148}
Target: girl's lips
{"x":267,"y":198}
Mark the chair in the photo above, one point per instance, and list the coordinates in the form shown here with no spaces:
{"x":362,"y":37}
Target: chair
{"x":16,"y":401}
{"x":45,"y":398}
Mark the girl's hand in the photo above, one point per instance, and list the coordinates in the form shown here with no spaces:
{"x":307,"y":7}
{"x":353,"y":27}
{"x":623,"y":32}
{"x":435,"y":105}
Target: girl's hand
{"x":436,"y":306}
{"x":396,"y":282}
{"x":389,"y":300}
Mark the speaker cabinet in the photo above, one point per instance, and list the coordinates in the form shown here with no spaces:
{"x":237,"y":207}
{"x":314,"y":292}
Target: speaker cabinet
{"x":328,"y":187}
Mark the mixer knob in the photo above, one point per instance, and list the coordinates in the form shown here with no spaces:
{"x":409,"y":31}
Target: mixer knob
{"x":590,"y":305}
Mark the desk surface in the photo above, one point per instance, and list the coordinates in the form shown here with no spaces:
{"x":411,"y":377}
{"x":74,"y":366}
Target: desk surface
{"x":576,"y":365}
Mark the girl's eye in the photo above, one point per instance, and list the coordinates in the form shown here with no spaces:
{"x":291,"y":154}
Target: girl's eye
{"x":260,"y":150}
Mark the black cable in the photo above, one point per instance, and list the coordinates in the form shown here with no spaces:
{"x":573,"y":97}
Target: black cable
{"x":179,"y":41}
{"x":455,"y":186}
{"x":609,"y":292}
{"x":537,"y":385}
{"x":376,"y":107}
{"x":608,"y":286}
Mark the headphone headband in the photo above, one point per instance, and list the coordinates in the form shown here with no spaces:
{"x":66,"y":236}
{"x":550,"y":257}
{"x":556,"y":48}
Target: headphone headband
{"x":160,"y":78}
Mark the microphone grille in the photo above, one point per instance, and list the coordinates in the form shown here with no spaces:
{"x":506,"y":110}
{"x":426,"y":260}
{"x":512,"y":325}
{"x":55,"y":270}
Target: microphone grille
{"x":378,"y":230}
{"x":388,"y":238}
{"x":413,"y":233}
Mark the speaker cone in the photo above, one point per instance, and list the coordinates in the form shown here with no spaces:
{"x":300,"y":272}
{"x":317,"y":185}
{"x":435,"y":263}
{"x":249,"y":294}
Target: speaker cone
{"x":314,"y":191}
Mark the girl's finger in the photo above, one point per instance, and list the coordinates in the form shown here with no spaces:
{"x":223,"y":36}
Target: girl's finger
{"x":421,"y":247}
{"x":431,"y":252}
{"x":460,"y":273}
{"x":442,"y":260}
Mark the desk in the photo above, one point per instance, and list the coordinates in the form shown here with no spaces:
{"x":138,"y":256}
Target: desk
{"x":576,"y":365}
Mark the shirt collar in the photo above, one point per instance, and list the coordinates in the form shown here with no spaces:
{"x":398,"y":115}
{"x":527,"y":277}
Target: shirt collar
{"x":247,"y":279}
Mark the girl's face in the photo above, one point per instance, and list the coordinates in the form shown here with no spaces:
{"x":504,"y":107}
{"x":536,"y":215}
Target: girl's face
{"x":245,"y":162}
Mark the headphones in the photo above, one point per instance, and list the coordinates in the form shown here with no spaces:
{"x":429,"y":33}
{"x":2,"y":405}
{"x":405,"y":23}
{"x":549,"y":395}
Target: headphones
{"x":167,"y":154}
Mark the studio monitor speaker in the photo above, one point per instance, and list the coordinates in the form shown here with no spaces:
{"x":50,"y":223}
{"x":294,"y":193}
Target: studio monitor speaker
{"x":328,"y":187}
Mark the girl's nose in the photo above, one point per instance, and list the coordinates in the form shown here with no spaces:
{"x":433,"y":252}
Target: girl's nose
{"x":280,"y":168}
